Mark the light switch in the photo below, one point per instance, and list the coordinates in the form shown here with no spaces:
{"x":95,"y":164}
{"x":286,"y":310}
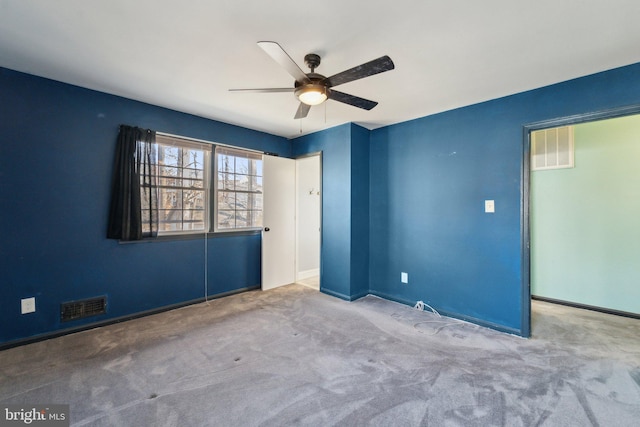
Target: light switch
{"x":489,"y":206}
{"x":27,"y":305}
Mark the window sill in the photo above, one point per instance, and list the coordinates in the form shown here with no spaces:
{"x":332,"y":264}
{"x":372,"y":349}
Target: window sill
{"x":194,"y":236}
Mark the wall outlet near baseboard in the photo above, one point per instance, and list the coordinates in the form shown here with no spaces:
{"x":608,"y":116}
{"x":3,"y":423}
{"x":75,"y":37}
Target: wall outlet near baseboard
{"x":28,"y":305}
{"x":404,"y":277}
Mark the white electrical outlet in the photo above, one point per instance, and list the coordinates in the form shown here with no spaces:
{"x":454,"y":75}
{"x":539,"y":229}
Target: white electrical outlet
{"x":404,"y":277}
{"x":28,"y":305}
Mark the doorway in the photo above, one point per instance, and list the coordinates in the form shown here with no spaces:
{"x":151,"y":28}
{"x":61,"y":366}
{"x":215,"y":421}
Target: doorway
{"x":292,"y":205}
{"x":308,"y":219}
{"x":577,"y":246}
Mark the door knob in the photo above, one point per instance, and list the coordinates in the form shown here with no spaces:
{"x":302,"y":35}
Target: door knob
{"x":267,"y":229}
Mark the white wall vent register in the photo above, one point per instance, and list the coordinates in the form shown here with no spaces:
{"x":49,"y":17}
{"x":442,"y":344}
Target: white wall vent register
{"x":552,"y":148}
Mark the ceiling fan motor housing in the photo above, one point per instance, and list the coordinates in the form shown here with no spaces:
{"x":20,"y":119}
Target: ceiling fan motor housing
{"x":312,"y":60}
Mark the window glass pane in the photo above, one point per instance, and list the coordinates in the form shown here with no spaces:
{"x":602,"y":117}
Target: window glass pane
{"x":193,"y":183}
{"x":242,"y":165}
{"x":170,"y":182}
{"x":193,"y":215}
{"x":256,"y":167}
{"x":193,"y":159}
{"x":226,"y":200}
{"x":168,"y":155}
{"x":193,"y":199}
{"x":145,"y":220}
{"x":255,"y":201}
{"x":242,"y":201}
{"x":171,"y":171}
{"x":170,"y":220}
{"x":256,"y":218}
{"x":255,"y":184}
{"x":144,"y":201}
{"x":226,"y":163}
{"x":226,"y":219}
{"x":170,"y":198}
{"x":193,"y":226}
{"x":225,"y":181}
{"x":193,"y":220}
{"x":193,"y":173}
{"x":242,"y":182}
{"x":242,"y":219}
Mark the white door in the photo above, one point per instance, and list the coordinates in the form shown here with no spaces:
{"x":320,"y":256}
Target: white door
{"x":279,"y":226}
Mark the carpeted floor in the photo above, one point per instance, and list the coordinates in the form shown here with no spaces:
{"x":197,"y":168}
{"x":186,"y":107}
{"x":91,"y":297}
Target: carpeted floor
{"x":294,"y":356}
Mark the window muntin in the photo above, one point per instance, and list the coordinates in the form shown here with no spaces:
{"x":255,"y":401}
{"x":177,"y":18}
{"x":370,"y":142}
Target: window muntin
{"x":238,"y":189}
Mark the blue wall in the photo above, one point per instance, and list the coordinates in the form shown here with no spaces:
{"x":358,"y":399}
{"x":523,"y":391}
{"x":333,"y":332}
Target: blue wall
{"x":359,"y":211}
{"x":345,"y":207}
{"x":429,"y":178}
{"x":335,"y":252}
{"x":57,"y":144}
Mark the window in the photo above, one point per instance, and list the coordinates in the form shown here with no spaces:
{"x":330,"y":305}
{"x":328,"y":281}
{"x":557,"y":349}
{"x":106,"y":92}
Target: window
{"x":183,"y":185}
{"x":238,"y":189}
{"x":181,"y":169}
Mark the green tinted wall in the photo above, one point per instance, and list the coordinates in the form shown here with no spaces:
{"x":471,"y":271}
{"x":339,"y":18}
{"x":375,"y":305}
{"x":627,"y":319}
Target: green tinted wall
{"x":585,"y":221}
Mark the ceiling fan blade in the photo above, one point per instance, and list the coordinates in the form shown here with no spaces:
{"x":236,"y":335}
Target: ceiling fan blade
{"x":265,"y":90}
{"x":275,"y":51}
{"x":356,"y":101}
{"x":303,"y":110}
{"x":380,"y":65}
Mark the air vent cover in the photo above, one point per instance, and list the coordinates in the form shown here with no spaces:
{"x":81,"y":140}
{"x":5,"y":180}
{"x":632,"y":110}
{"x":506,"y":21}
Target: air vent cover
{"x":84,"y":308}
{"x":552,"y":148}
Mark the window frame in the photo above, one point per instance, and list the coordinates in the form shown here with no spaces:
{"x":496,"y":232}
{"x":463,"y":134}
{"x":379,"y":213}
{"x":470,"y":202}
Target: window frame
{"x":184,"y":143}
{"x":237,"y":153}
{"x":210,"y":182}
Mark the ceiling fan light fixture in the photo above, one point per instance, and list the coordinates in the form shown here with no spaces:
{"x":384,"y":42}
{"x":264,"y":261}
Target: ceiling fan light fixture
{"x":312,"y":94}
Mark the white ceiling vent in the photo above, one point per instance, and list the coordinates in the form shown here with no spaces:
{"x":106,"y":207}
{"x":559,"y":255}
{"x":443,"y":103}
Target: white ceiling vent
{"x":552,"y":148}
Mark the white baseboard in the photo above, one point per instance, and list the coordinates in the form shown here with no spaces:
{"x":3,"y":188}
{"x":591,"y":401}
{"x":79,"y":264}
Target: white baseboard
{"x":302,"y":275}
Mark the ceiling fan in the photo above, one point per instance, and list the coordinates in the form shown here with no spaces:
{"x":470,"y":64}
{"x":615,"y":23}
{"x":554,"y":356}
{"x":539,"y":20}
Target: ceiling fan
{"x":313,"y":88}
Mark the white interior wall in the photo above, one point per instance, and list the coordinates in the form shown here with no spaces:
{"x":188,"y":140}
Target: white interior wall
{"x":308,"y":196}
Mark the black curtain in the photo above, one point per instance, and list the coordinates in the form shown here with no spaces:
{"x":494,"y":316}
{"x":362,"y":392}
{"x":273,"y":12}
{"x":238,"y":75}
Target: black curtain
{"x":134,"y":193}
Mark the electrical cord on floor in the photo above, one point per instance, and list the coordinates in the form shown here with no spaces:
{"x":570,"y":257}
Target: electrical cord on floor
{"x":420,"y":305}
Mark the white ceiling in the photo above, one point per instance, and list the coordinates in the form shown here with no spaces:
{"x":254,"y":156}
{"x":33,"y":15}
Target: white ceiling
{"x":186,"y":54}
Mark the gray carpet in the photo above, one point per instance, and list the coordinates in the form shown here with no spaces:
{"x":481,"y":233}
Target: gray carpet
{"x":293,"y":356}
